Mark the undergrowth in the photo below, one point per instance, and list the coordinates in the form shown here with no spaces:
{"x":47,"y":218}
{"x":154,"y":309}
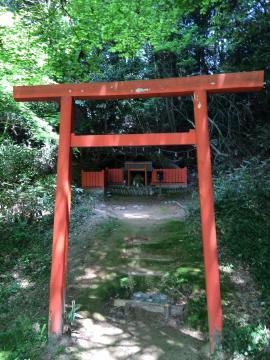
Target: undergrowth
{"x":24,"y":267}
{"x":25,"y":258}
{"x":242,"y":214}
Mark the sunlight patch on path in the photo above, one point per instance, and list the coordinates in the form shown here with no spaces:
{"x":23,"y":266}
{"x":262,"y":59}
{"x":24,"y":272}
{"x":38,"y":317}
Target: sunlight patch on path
{"x":136,"y":216}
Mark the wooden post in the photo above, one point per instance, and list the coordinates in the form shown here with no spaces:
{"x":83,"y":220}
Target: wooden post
{"x":61,"y":220}
{"x":208,"y":220}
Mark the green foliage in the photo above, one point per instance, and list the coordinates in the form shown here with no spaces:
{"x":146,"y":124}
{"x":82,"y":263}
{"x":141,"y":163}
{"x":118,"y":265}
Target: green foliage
{"x":26,"y":193}
{"x":250,"y":341}
{"x":242,"y":212}
{"x":243,"y":207}
{"x":19,"y":123}
{"x":28,"y":202}
{"x":71,"y":314}
{"x":22,"y":164}
{"x":75,"y":41}
{"x":124,"y":282}
{"x":24,"y":274}
{"x":22,"y":58}
{"x":68,"y":39}
{"x":23,"y":339}
{"x":133,"y":283}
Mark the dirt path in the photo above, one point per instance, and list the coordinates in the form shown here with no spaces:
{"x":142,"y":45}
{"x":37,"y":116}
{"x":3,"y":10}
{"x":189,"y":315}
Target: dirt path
{"x":104,"y":248}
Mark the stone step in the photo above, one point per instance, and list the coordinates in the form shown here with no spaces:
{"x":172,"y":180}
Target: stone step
{"x":138,"y":254}
{"x":137,"y":240}
{"x":144,"y":272}
{"x":154,"y":258}
{"x":167,"y":310}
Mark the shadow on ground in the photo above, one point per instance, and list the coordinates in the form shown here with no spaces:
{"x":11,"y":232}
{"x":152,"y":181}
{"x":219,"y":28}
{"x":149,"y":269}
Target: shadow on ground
{"x":97,"y":266}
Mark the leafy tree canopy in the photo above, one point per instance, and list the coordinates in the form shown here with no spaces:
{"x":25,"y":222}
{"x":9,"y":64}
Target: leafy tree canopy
{"x":95,"y":40}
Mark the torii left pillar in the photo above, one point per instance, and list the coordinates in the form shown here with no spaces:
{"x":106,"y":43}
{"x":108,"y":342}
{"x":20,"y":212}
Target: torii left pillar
{"x":61,"y":220}
{"x":208,"y":224}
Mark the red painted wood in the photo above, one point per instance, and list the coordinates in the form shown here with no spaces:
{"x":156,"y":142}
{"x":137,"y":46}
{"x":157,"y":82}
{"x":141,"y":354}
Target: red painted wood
{"x":234,"y":82}
{"x":83,"y":180}
{"x":93,"y":179}
{"x":170,"y":176}
{"x":184,"y":175}
{"x":61,"y":221}
{"x":208,"y":219}
{"x":103,"y":179}
{"x":114,"y":176}
{"x":185,"y":138}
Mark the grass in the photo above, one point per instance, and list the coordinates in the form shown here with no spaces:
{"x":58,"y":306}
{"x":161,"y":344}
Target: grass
{"x":25,"y":259}
{"x":24,"y":268}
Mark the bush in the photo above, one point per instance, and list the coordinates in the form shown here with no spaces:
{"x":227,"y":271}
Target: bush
{"x":25,"y":256}
{"x":28,"y":202}
{"x":23,"y":339}
{"x":21,"y":164}
{"x":26,"y":185}
{"x":242,"y":211}
{"x":250,"y":341}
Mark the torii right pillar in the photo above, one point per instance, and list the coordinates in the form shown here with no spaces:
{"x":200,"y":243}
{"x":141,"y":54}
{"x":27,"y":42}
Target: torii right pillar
{"x":208,"y":224}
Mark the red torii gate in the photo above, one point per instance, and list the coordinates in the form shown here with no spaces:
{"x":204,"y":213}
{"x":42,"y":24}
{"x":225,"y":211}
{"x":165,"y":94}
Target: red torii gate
{"x":196,"y":86}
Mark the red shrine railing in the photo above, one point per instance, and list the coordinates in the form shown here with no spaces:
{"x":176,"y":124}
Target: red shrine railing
{"x":170,"y":176}
{"x":114,"y":176}
{"x":93,"y":179}
{"x":99,"y":179}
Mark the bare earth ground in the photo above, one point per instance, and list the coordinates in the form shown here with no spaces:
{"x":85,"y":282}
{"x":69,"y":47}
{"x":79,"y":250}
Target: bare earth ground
{"x":100,"y":332}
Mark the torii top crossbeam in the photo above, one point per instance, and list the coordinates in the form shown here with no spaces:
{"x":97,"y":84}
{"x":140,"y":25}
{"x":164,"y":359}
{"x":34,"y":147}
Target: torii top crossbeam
{"x":221,"y":83}
{"x":198,"y":87}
